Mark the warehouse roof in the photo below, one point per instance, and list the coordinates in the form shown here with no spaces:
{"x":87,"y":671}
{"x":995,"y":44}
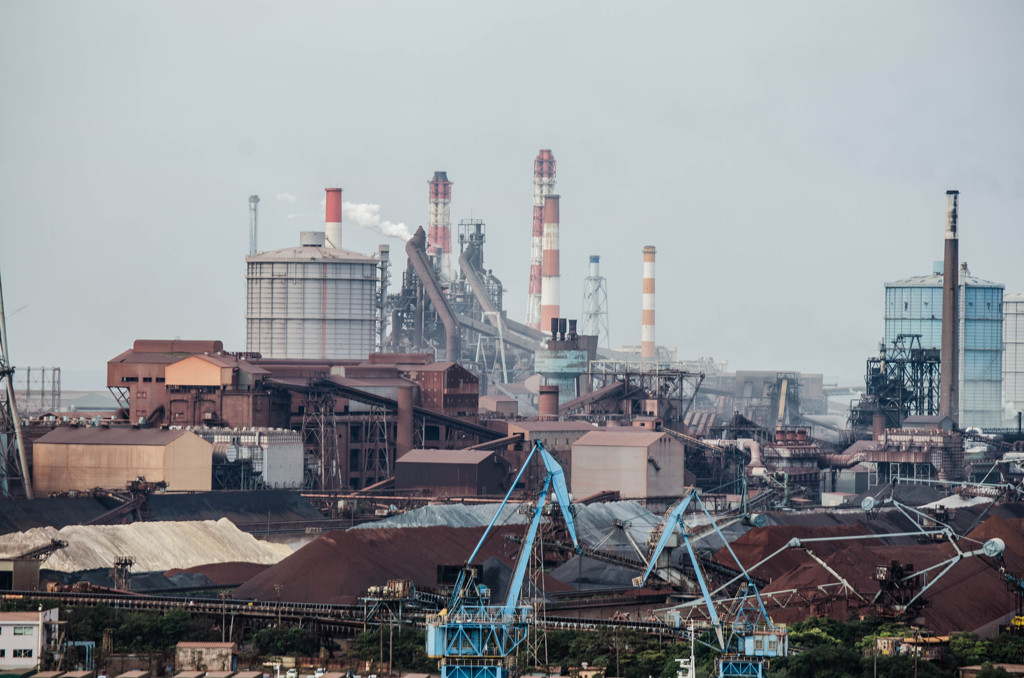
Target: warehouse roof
{"x":445,"y":456}
{"x":624,"y":436}
{"x":541,"y":426}
{"x":98,"y":435}
{"x":935,"y":280}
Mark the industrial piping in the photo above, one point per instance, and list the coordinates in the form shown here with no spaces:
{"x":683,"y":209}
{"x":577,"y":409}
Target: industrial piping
{"x":543,"y":186}
{"x":648,"y":351}
{"x":332,"y":219}
{"x":415,"y":249}
{"x":949,"y":356}
{"x":549,"y":296}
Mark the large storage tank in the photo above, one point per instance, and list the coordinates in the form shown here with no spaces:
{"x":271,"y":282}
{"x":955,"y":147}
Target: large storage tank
{"x":914,"y":306}
{"x":311,"y":302}
{"x":1013,"y":354}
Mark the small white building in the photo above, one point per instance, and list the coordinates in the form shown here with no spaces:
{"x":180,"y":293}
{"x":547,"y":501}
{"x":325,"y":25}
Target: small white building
{"x":25,"y":637}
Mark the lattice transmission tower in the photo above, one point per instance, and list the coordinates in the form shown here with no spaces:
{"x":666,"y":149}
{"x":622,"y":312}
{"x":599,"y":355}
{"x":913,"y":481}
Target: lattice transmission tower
{"x":595,"y":304}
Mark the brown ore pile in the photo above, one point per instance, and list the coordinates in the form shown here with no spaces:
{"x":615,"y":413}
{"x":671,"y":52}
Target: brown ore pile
{"x":339,"y":566}
{"x":970,"y":596}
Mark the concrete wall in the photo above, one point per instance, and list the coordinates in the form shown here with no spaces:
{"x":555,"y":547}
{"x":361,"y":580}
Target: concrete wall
{"x":186,"y":464}
{"x":625,"y":467}
{"x":597,"y":468}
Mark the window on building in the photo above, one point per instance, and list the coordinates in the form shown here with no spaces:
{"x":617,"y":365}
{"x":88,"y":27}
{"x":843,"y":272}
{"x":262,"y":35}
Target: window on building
{"x":2,"y":652}
{"x":24,"y":630}
{"x":21,"y":653}
{"x":147,"y":379}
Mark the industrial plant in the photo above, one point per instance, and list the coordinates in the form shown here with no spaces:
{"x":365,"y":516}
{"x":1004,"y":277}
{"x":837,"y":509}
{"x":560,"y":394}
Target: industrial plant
{"x":387,"y":446}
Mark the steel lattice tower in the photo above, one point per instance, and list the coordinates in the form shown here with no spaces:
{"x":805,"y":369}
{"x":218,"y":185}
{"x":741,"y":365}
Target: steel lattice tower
{"x":595,"y":304}
{"x":13,"y":467}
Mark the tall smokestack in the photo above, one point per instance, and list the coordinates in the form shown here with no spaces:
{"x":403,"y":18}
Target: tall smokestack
{"x":254,"y":201}
{"x":648,"y":351}
{"x":332,"y":222}
{"x":439,"y":233}
{"x":949,"y":368}
{"x":543,"y":186}
{"x":549,"y":297}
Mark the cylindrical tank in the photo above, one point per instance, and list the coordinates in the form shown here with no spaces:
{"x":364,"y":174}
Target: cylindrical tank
{"x":547,"y":405}
{"x":311,"y":303}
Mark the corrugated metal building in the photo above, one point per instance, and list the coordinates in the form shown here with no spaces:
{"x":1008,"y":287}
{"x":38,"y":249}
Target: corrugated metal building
{"x":637,"y":462}
{"x":311,"y":302}
{"x":463,"y":473}
{"x":81,"y":458}
{"x":914,"y":306}
{"x":1013,"y":353}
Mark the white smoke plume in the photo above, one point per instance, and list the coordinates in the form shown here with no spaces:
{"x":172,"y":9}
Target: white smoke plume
{"x":286,"y":197}
{"x":368,"y":216}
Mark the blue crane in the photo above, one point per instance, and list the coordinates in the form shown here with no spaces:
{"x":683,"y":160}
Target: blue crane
{"x":747,"y":636}
{"x":471,"y":637}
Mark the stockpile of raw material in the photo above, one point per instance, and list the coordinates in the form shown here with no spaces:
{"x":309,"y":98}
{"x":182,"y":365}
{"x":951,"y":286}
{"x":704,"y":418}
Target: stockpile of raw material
{"x":155,"y":547}
{"x":222,"y":574}
{"x":339,"y":566}
{"x":971,"y":596}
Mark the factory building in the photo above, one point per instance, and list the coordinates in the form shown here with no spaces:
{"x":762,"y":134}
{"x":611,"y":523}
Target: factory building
{"x":913,"y":306}
{"x":82,"y":458}
{"x":453,"y":473}
{"x":637,"y":462}
{"x":25,"y":637}
{"x":192,"y":383}
{"x":1013,"y":353}
{"x":314,"y":301}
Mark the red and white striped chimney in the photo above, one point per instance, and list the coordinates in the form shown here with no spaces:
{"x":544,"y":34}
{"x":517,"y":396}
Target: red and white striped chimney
{"x":543,"y":186}
{"x":332,"y":220}
{"x":439,"y":233}
{"x":648,"y":351}
{"x":549,"y":296}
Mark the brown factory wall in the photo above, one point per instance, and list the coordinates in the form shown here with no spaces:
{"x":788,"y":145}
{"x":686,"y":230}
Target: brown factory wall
{"x":195,"y":371}
{"x":22,"y":574}
{"x":453,"y":480}
{"x":186,"y":464}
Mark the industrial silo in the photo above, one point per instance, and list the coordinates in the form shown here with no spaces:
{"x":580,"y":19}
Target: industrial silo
{"x":314,"y":301}
{"x":1013,"y":353}
{"x":914,"y":306}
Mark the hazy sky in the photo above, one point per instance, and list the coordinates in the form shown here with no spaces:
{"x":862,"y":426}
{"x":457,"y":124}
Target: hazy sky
{"x":786,"y":158}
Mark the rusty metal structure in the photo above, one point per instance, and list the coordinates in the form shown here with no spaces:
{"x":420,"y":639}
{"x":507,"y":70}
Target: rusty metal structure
{"x":901,"y":381}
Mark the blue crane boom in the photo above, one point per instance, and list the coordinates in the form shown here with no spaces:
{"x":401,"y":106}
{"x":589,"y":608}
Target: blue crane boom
{"x":752,"y":635}
{"x":471,"y":637}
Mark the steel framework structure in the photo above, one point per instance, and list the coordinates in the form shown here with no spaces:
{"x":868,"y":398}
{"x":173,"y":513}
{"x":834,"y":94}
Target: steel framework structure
{"x":13,"y":466}
{"x":901,"y":381}
{"x":673,"y":388}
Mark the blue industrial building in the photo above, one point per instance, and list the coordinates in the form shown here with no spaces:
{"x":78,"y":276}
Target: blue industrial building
{"x":914,"y":306}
